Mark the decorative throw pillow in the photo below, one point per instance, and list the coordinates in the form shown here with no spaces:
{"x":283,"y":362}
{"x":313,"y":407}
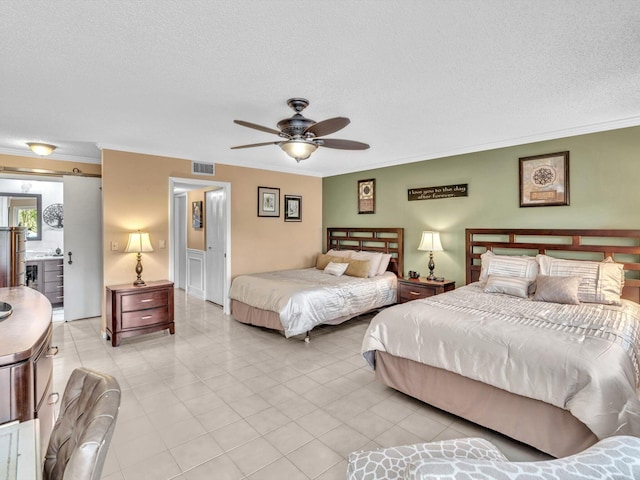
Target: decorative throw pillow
{"x":336,"y":269}
{"x":515,"y":286}
{"x":557,"y":289}
{"x":601,"y":282}
{"x":384,"y":263}
{"x":323,"y":260}
{"x":358,"y":268}
{"x":507,"y":266}
{"x":374,"y":261}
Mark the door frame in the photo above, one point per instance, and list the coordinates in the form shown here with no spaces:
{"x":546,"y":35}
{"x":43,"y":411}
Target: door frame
{"x":198,"y":183}
{"x":179,"y":227}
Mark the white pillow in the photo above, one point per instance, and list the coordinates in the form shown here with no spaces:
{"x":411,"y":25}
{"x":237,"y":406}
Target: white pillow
{"x":374,"y":260}
{"x":601,"y":282}
{"x":336,"y":269}
{"x":515,"y":286}
{"x":341,"y":253}
{"x":507,"y":266}
{"x":384,"y":263}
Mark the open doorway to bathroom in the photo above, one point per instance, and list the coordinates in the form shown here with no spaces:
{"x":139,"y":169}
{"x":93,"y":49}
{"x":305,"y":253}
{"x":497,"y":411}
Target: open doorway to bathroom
{"x":35,"y":203}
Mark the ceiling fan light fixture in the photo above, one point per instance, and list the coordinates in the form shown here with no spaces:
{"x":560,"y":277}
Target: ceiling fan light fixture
{"x":42,"y":149}
{"x":298,"y":149}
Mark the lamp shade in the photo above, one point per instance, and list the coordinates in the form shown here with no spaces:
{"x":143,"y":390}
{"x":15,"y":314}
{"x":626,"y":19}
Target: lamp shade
{"x":138,"y":242}
{"x":430,"y":242}
{"x":298,"y":149}
{"x":42,"y":149}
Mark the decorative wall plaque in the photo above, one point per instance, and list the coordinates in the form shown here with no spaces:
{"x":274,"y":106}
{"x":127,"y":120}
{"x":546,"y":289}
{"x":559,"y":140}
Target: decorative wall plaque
{"x":433,"y":193}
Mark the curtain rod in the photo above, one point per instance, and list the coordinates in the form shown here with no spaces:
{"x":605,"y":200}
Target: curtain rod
{"x":47,"y":173}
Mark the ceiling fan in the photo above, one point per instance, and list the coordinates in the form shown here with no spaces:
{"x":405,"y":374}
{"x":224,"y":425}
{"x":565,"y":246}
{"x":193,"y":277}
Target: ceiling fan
{"x":301,"y":135}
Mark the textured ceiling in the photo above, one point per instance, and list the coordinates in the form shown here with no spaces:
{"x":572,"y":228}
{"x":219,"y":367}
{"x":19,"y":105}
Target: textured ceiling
{"x":419,"y":79}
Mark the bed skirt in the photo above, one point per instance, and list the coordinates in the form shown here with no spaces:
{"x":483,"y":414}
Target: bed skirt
{"x":539,"y":424}
{"x":255,"y":316}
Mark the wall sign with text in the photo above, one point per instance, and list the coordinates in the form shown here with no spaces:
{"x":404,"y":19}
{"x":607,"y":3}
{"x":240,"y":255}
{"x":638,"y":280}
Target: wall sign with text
{"x":433,"y":193}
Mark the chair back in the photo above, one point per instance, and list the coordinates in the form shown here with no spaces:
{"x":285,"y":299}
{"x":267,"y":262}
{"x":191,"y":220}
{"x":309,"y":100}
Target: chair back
{"x":81,"y":436}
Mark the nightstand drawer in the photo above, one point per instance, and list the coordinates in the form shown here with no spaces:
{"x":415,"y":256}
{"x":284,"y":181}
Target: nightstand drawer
{"x":142,"y":300}
{"x":413,"y":292}
{"x":144,"y":318}
{"x":415,"y":289}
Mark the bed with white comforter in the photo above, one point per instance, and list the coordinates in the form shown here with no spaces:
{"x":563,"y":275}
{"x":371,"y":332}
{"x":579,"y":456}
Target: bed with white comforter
{"x":582,"y":358}
{"x":308,"y":297}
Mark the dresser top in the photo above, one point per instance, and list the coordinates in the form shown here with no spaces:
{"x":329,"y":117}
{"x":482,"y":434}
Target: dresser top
{"x":22,"y":332}
{"x":133,"y":288}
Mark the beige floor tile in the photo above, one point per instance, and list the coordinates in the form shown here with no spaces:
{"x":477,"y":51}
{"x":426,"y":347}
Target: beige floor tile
{"x":314,"y":458}
{"x":254,"y":455}
{"x":289,"y":437}
{"x":195,"y":452}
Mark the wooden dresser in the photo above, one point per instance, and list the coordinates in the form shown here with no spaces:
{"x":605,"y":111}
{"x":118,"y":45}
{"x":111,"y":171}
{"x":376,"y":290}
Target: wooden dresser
{"x":26,"y":360}
{"x":137,"y":310}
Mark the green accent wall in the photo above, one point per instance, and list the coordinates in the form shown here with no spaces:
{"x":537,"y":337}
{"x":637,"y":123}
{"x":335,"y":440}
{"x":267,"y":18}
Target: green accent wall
{"x":604,"y":192}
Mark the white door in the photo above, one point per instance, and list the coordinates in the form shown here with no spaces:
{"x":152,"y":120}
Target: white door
{"x":215,"y":238}
{"x":180,"y":241}
{"x":82,"y":198}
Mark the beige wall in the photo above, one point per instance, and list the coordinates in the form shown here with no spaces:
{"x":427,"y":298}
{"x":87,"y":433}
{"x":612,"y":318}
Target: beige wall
{"x":136,"y":195}
{"x":196,"y":236}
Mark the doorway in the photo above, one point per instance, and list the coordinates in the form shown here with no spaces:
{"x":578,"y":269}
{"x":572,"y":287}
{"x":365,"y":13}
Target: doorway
{"x":179,"y":221}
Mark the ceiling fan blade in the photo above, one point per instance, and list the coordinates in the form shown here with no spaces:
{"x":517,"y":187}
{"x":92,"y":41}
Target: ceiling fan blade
{"x":327,"y":127}
{"x":343,"y":144}
{"x":255,"y":145}
{"x":256,"y":127}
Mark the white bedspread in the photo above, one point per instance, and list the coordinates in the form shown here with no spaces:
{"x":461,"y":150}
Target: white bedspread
{"x":308,"y":297}
{"x":582,"y":358}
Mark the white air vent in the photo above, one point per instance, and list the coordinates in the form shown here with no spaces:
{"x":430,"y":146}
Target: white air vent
{"x":200,"y":168}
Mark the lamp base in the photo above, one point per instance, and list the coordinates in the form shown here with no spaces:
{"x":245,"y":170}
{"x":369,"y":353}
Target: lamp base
{"x":139,"y":282}
{"x":432,"y":267}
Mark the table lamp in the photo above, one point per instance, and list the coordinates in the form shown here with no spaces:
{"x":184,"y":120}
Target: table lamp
{"x":430,"y":242}
{"x":138,"y":243}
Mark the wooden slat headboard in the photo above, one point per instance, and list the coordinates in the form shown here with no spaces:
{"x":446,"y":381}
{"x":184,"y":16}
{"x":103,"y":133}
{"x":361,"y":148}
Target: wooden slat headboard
{"x":383,"y":240}
{"x":622,"y":245}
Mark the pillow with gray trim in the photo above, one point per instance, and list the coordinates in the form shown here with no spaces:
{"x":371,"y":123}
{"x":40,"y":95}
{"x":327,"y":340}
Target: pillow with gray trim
{"x":515,"y":286}
{"x":336,"y":269}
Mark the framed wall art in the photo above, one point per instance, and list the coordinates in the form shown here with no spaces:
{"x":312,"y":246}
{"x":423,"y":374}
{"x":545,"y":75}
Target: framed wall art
{"x":367,"y":196}
{"x":544,"y":180}
{"x":292,"y":208}
{"x":268,"y":202}
{"x":196,"y":214}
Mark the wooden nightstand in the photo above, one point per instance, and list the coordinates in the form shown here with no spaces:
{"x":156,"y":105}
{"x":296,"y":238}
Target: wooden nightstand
{"x":415,"y":288}
{"x":137,"y":310}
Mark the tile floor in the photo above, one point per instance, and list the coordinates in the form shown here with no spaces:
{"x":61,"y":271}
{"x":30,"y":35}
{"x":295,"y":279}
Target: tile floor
{"x":222,"y":400}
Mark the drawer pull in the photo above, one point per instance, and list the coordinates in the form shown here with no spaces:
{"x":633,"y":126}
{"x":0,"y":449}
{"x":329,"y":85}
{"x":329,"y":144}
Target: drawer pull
{"x":146,"y":300}
{"x":53,"y":398}
{"x":59,"y":276}
{"x":414,"y":293}
{"x":53,"y":351}
{"x":59,"y":286}
{"x":146,"y":317}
